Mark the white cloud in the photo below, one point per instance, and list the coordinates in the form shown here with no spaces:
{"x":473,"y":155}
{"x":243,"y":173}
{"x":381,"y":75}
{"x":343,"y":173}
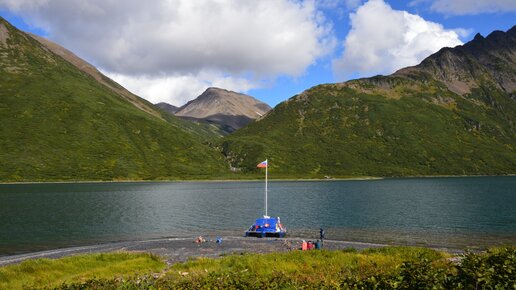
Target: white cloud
{"x":173,"y":40}
{"x":179,"y":89}
{"x":383,"y":40}
{"x":465,"y":7}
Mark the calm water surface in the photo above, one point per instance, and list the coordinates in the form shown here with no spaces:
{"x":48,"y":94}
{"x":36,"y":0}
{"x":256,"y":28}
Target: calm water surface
{"x":463,"y":211}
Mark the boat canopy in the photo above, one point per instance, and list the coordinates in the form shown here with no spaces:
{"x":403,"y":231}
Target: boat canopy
{"x":266,"y":223}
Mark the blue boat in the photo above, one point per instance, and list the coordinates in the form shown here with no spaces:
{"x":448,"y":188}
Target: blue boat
{"x":266,"y":226}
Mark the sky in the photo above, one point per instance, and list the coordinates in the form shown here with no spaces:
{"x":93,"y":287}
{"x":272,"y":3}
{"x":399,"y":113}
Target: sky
{"x":172,"y":50}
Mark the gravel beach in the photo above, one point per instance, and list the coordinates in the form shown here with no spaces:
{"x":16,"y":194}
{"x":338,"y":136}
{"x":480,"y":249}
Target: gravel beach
{"x":175,"y":250}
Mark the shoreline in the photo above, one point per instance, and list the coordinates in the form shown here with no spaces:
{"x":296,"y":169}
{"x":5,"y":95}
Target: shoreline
{"x":175,"y":250}
{"x":192,"y":180}
{"x":358,"y":178}
{"x":189,"y":180}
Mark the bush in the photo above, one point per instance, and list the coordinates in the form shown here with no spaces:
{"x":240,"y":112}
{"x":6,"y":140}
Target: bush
{"x":496,"y":269}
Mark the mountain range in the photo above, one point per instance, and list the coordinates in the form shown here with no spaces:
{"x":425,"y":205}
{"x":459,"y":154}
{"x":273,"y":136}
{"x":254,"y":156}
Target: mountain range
{"x":452,"y":114}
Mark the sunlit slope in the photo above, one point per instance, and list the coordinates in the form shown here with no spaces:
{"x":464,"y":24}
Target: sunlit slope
{"x":59,"y":123}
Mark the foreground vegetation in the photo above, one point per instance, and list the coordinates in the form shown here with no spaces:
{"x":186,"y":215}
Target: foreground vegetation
{"x":383,"y":268}
{"x":52,"y":273}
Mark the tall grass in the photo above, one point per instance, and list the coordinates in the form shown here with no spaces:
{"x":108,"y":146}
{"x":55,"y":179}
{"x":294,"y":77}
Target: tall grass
{"x":324,"y":267}
{"x":52,"y":273}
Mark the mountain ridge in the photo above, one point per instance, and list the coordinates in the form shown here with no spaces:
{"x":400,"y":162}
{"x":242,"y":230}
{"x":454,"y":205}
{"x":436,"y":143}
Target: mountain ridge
{"x":488,"y":63}
{"x":408,"y":123}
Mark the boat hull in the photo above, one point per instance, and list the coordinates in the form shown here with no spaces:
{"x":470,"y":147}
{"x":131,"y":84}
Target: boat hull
{"x":266,"y":234}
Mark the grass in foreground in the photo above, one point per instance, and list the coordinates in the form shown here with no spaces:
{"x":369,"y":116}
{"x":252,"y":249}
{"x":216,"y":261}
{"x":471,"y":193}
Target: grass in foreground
{"x":384,"y":268}
{"x":77,"y":269}
{"x":303,"y":267}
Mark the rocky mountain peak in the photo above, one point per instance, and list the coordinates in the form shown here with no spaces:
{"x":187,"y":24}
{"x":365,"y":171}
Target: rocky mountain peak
{"x":484,"y":59}
{"x":478,"y":37}
{"x":229,"y":109}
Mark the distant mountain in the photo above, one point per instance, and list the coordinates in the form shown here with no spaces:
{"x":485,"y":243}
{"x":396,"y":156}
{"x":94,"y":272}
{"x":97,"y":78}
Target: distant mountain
{"x":227,"y":109}
{"x":453,"y":114}
{"x":63,"y":120}
{"x":167,"y":107}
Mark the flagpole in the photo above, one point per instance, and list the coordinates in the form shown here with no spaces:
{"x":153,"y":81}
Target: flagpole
{"x":266,"y":168}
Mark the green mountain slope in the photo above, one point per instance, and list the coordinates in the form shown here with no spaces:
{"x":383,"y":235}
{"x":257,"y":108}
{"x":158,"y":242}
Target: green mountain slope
{"x":60,"y":123}
{"x":453,"y":114}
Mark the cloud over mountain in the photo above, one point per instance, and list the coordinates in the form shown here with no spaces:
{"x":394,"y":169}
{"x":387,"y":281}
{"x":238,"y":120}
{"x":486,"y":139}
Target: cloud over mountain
{"x":136,"y":40}
{"x":183,"y":88}
{"x":172,"y":50}
{"x":382,"y":40}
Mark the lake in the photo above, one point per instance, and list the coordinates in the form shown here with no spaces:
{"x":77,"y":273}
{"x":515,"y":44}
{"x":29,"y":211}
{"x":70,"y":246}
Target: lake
{"x":451,"y":212}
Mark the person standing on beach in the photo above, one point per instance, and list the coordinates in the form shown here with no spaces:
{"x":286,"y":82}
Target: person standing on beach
{"x":321,"y":235}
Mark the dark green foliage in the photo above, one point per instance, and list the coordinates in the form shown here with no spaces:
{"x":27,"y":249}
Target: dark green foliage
{"x":59,"y":123}
{"x":495,"y":269}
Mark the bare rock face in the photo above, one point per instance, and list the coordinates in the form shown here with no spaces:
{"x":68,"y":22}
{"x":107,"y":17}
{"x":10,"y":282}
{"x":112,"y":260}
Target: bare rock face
{"x":228,"y":109}
{"x":491,"y":59}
